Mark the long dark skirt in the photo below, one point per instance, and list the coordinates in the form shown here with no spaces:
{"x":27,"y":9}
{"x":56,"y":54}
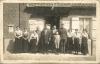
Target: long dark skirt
{"x":76,"y":45}
{"x":33,"y":45}
{"x":18,"y":48}
{"x":69,"y":44}
{"x":25,"y":45}
{"x":84,"y":46}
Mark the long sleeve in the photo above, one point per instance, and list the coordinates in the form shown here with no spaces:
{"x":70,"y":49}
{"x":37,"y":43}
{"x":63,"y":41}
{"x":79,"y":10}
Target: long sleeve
{"x":21,"y":34}
{"x":15,"y":34}
{"x":31,"y":36}
{"x":37,"y":37}
{"x":18,"y":33}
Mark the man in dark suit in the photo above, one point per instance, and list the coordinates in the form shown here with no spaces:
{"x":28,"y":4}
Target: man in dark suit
{"x":45,"y":39}
{"x":63,"y":35}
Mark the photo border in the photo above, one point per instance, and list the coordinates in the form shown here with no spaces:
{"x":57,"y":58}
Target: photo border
{"x":51,"y":1}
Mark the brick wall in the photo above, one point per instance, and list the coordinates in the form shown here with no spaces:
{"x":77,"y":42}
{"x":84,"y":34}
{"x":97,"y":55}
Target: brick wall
{"x":10,"y":16}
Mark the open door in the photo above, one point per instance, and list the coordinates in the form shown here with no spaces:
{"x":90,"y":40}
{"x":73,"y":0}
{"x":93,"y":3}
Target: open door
{"x":53,"y":20}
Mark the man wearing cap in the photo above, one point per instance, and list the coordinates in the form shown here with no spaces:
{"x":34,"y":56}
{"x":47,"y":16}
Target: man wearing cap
{"x":63,"y":35}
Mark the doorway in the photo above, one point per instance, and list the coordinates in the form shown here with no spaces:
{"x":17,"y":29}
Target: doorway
{"x":53,"y":20}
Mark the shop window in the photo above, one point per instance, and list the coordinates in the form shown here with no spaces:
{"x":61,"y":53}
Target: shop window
{"x":86,"y":23}
{"x":79,"y":23}
{"x":66,"y":22}
{"x":36,"y":22}
{"x":94,"y":28}
{"x":75,"y":23}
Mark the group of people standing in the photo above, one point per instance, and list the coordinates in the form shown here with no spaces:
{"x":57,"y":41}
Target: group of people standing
{"x":51,"y":40}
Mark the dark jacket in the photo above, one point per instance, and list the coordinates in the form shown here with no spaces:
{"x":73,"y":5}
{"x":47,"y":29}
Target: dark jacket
{"x":46,"y":37}
{"x":63,"y":33}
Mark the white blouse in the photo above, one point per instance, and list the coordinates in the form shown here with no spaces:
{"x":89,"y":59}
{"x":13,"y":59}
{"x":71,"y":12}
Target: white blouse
{"x":34,"y":36}
{"x":77,"y":35}
{"x":85,"y":35}
{"x":54,"y":31}
{"x":18,"y":33}
{"x":69,"y":34}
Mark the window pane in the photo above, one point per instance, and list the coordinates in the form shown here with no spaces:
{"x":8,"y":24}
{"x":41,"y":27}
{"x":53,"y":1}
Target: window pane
{"x":94,"y":34}
{"x":81,"y":24}
{"x":75,"y":23}
{"x":33,"y":24}
{"x":94,"y":24}
{"x":66,"y":22}
{"x":86,"y":24}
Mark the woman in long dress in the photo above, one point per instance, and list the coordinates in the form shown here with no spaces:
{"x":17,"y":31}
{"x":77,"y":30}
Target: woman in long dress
{"x":69,"y":44}
{"x":84,"y":44}
{"x":76,"y":41}
{"x":33,"y":41}
{"x":18,"y":41}
{"x":25,"y":41}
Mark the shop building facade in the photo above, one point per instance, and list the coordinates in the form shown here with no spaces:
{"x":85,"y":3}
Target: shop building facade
{"x":31,"y":16}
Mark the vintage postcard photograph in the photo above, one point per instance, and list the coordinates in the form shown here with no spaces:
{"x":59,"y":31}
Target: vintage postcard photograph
{"x":52,"y":31}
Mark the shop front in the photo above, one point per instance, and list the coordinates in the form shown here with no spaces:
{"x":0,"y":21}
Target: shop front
{"x":32,"y":16}
{"x":73,"y":16}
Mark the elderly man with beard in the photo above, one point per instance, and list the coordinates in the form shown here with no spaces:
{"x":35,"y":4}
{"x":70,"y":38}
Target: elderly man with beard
{"x":45,"y":39}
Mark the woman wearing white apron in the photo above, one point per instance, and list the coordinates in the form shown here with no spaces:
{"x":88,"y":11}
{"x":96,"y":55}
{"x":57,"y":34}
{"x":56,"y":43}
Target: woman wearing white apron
{"x":33,"y":41}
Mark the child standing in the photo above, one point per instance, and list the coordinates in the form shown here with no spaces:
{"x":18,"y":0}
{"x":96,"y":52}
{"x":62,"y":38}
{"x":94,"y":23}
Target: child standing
{"x":57,"y":40}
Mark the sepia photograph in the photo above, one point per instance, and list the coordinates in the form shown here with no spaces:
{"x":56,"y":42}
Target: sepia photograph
{"x":49,"y":31}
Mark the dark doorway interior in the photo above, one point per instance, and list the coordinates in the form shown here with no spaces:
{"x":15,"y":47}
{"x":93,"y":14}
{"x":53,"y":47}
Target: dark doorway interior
{"x":53,"y":20}
{"x":52,"y":16}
